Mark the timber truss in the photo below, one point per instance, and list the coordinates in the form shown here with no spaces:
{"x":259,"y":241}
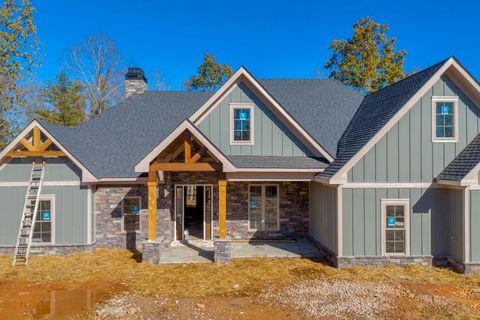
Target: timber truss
{"x":171,"y":158}
{"x":36,"y":144}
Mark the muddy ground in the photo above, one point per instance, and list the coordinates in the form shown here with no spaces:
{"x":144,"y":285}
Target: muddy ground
{"x":111,"y":284}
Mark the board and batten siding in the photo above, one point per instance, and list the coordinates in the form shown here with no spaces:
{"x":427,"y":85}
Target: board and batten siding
{"x":475,"y":226}
{"x":406,"y":153}
{"x":271,"y":136}
{"x":57,"y":169}
{"x":70,"y":200}
{"x":362,"y":223}
{"x":70,"y":213}
{"x":323,"y":215}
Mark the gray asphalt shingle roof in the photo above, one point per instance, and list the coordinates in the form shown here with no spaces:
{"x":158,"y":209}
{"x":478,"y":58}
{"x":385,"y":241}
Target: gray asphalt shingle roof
{"x":466,"y":160}
{"x":278,"y":162}
{"x":374,"y":112}
{"x":111,"y":144}
{"x":323,"y":107}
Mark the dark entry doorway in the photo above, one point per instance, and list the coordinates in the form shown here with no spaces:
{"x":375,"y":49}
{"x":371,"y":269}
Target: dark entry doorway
{"x":193,"y":212}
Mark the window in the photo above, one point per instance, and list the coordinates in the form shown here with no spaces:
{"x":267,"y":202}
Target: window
{"x":131,"y":214}
{"x":191,"y":196}
{"x":395,"y":227}
{"x":445,"y":118}
{"x":241,"y":124}
{"x":42,"y":233}
{"x":263,"y":207}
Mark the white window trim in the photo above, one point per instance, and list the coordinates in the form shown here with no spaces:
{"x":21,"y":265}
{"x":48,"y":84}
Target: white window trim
{"x":454,"y":100}
{"x":398,"y":202}
{"x":139,"y":214}
{"x":51,"y":198}
{"x":249,"y":106}
{"x":263,"y":207}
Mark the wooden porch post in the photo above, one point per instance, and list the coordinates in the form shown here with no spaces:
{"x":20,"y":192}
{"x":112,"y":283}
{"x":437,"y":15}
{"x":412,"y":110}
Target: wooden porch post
{"x":152,"y":205}
{"x":222,"y":209}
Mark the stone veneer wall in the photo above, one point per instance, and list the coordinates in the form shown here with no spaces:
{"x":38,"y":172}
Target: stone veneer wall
{"x":108,"y":216}
{"x":294,"y":210}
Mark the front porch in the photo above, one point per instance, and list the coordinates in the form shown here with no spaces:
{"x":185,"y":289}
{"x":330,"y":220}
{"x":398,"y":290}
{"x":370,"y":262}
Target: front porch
{"x":190,"y":195}
{"x":203,"y":251}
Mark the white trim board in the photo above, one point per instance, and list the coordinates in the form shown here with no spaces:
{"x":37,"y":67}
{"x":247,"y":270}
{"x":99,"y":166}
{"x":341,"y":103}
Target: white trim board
{"x":87,"y":176}
{"x":454,"y":100}
{"x":407,"y":211}
{"x":45,"y":184}
{"x":270,"y":176}
{"x":392,"y":185}
{"x":232,"y":108}
{"x":242,"y":75}
{"x":452,"y":66}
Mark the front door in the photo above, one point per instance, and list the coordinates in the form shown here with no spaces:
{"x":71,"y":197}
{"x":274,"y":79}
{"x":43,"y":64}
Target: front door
{"x":193,"y":212}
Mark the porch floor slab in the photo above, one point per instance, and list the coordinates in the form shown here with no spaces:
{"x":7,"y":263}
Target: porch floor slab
{"x":301,"y":248}
{"x":202,"y":252}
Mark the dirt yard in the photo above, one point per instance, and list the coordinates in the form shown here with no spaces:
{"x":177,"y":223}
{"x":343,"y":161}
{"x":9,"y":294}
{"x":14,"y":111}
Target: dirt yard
{"x":111,"y":284}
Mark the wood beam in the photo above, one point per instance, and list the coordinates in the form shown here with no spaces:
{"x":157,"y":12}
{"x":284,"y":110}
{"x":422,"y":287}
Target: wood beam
{"x":36,"y":137}
{"x":188,"y":147}
{"x":27,"y":145}
{"x":198,"y":155}
{"x":44,"y":146}
{"x":152,"y":205}
{"x":222,"y":209}
{"x":171,"y":166}
{"x":16,"y":154}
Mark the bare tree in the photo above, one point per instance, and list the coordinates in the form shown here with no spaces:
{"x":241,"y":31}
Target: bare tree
{"x":96,"y":63}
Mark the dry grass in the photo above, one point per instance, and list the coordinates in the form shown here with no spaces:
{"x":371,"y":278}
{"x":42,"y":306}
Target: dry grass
{"x":196,"y":280}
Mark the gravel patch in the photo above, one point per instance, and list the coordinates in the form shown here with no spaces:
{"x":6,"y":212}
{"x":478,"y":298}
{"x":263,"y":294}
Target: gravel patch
{"x":129,"y":306}
{"x":338,"y":299}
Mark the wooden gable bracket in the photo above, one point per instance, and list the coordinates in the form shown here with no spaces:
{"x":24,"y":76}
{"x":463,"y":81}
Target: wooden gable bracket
{"x":190,"y":163}
{"x":36,"y":148}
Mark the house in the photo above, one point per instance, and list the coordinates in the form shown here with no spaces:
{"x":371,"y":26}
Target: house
{"x":390,"y":177}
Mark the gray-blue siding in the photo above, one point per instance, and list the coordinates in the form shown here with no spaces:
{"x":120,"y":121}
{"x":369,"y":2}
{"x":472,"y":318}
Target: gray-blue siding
{"x":406,"y":153}
{"x":323,"y":215}
{"x":271,"y":137}
{"x":70,"y":200}
{"x":435,"y":221}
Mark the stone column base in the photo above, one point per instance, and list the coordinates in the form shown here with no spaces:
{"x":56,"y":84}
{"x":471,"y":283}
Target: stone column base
{"x":222,"y":251}
{"x":151,"y":252}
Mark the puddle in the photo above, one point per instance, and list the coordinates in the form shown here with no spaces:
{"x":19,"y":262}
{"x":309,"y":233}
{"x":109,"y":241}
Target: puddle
{"x":23,"y":300}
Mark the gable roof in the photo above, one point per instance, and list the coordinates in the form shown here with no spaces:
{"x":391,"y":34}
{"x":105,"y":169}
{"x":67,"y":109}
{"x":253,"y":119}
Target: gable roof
{"x":463,"y":164}
{"x":373,"y":114}
{"x":293,"y":124}
{"x":111,"y":144}
{"x":324,"y":107}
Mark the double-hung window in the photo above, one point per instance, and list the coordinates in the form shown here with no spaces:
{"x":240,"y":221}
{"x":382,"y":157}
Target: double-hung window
{"x":42,"y":233}
{"x":131,"y":214}
{"x":241,"y":124}
{"x":395,"y":226}
{"x":445,"y":119}
{"x":263,"y":207}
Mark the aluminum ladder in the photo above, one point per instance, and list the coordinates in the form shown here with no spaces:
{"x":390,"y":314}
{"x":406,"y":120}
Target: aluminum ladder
{"x":29,"y":214}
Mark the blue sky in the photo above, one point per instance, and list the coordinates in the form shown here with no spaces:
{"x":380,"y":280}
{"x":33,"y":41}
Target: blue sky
{"x":271,"y":38}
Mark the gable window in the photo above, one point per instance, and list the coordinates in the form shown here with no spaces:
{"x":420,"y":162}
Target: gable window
{"x":263,"y":207}
{"x":131,"y":214}
{"x":445,"y":119}
{"x":42,"y":233}
{"x":395,"y":226}
{"x":241,"y":123}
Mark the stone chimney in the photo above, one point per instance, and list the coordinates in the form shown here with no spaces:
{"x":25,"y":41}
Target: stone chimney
{"x":135,"y":82}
